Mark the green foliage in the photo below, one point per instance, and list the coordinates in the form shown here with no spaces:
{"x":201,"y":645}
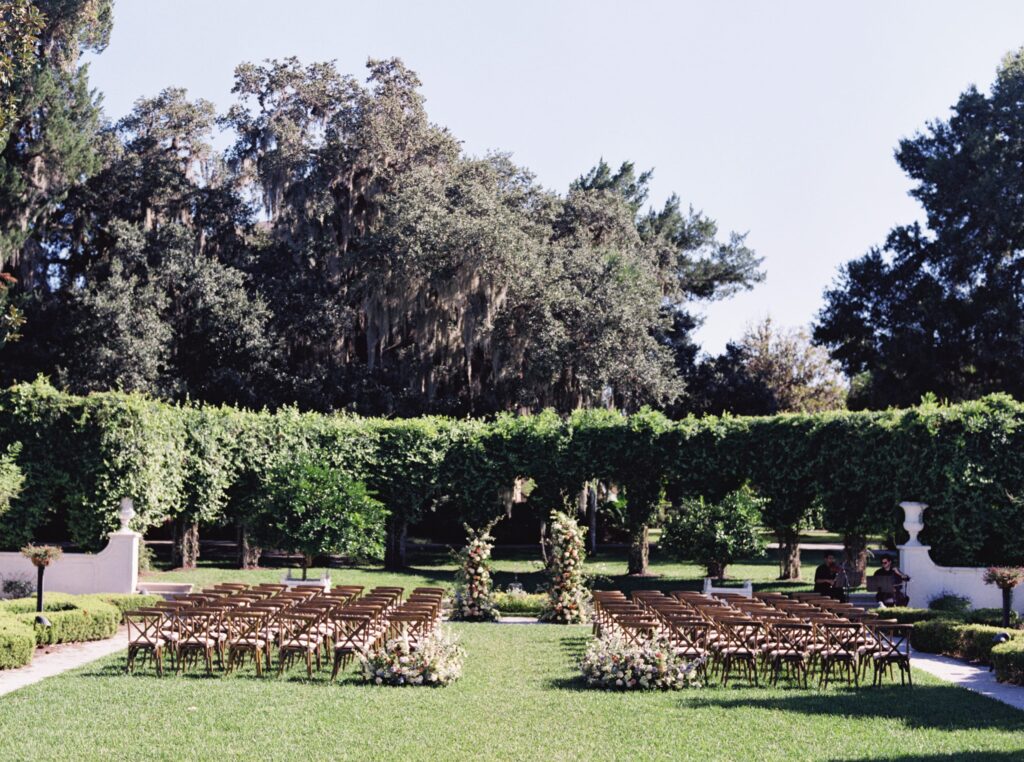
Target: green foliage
{"x":948,"y":603}
{"x":992,"y":617}
{"x":936,"y":636}
{"x":73,"y":618}
{"x":17,"y":642}
{"x":905,"y":615}
{"x":313,"y":509}
{"x":716,"y":534}
{"x":1008,"y":661}
{"x":11,"y":477}
{"x":938,"y":308}
{"x":520,"y":603}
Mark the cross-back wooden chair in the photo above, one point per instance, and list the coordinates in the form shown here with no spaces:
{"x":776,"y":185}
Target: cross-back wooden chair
{"x":298,"y":637}
{"x":146,"y":637}
{"x":247,"y":636}
{"x":353,"y":637}
{"x":842,"y":642}
{"x":739,"y":644}
{"x":892,"y":647}
{"x":788,"y":647}
{"x":199,"y":635}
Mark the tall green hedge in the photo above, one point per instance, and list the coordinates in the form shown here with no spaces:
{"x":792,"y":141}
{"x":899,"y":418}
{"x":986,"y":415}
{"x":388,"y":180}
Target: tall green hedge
{"x":208,"y":465}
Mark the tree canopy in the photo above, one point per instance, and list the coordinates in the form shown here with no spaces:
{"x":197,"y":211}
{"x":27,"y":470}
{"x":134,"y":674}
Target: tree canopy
{"x":940,"y":308}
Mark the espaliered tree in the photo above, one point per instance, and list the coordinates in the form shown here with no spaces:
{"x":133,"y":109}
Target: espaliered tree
{"x":780,"y":454}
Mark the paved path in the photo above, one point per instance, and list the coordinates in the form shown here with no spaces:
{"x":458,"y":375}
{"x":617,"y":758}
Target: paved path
{"x":52,"y":660}
{"x":971,"y":677}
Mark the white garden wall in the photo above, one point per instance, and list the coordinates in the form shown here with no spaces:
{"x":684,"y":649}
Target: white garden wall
{"x":929,"y":580}
{"x":115,"y":569}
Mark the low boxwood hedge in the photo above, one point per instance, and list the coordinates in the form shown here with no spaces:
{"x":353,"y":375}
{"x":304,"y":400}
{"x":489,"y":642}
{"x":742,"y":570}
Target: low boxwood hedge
{"x":907,"y":615}
{"x":1008,"y":661}
{"x":992,"y":617}
{"x":936,"y":636}
{"x":974,"y":642}
{"x":17,"y":642}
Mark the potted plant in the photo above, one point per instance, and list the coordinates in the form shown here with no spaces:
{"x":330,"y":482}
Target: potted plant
{"x":41,"y":556}
{"x":1005,"y":578}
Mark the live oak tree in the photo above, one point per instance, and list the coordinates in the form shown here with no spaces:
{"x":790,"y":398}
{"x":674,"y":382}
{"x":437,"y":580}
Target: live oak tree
{"x":939,"y":308}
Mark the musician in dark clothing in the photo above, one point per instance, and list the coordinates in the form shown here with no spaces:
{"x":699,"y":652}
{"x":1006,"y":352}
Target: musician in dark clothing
{"x":895,"y":596}
{"x":826,"y":578}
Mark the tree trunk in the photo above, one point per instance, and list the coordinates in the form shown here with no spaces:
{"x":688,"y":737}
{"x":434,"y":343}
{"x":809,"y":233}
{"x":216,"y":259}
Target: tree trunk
{"x":639,"y":551}
{"x":395,"y":543}
{"x":248,"y":554}
{"x":1007,"y":601}
{"x":789,"y":553}
{"x":305,"y":566}
{"x":544,"y":542}
{"x":855,"y":558}
{"x":592,"y":519}
{"x":186,"y":544}
{"x":716,"y":570}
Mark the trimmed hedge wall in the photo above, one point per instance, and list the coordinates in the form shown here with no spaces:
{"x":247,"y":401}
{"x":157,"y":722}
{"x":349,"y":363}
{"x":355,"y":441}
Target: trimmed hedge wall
{"x":1008,"y":661}
{"x":206,"y":464}
{"x":17,"y":642}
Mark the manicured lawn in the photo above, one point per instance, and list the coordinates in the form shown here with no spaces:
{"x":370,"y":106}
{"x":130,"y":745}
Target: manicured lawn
{"x":518,"y":699}
{"x":522,"y":567}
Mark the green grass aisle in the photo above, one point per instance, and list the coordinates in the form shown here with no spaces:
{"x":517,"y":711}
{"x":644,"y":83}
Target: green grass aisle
{"x":518,"y":699}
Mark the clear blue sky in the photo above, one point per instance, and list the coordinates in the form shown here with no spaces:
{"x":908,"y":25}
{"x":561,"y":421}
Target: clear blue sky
{"x":777,"y":118}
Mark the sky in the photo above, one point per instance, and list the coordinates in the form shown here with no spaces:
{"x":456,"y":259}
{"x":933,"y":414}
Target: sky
{"x":778,"y":119}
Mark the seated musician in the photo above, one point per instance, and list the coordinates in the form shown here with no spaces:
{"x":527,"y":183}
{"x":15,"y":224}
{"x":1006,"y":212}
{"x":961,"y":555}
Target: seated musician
{"x":826,"y":577}
{"x":895,"y":595}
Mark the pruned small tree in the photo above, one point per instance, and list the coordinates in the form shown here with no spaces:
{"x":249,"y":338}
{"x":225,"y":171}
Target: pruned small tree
{"x":311,"y":509}
{"x":716,"y":534}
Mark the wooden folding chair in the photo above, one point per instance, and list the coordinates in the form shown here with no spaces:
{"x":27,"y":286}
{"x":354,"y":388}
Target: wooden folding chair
{"x":298,"y":636}
{"x":842,"y":642}
{"x":788,"y":647}
{"x":199,"y":634}
{"x":892,"y":647}
{"x":740,"y":643}
{"x":353,"y":636}
{"x":247,"y":635}
{"x":146,"y":637}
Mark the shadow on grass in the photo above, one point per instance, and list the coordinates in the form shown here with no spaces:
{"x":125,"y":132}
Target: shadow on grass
{"x":940,"y":707}
{"x":972,"y":756}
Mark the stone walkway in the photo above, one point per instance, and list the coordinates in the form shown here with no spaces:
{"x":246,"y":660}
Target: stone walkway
{"x":969,"y":676}
{"x":52,"y":660}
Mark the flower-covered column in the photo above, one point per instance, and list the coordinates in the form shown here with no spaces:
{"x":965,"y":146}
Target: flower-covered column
{"x":474,"y":600}
{"x":568,"y":595}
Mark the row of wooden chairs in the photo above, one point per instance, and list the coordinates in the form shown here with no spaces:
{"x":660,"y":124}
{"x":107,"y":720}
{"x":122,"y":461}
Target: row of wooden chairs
{"x":228,"y":624}
{"x":766,"y":635}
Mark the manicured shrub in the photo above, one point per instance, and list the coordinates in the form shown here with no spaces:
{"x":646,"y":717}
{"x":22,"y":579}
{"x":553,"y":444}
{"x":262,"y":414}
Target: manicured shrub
{"x":436,"y":660}
{"x":568,"y":595}
{"x":612,"y":663}
{"x":520,"y":603}
{"x":950,"y":604}
{"x":992,"y":617}
{"x":17,"y":642}
{"x":73,"y":619}
{"x":906,"y":615}
{"x":715,"y":534}
{"x":124,"y":601}
{"x":1008,"y":661}
{"x":939,"y":636}
{"x":977,"y":641}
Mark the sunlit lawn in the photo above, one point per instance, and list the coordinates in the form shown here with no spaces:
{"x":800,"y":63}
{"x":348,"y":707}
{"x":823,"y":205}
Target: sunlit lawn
{"x":525,"y":568}
{"x":519,"y":699}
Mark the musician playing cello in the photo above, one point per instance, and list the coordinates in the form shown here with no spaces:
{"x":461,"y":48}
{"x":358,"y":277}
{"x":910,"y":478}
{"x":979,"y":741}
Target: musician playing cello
{"x":895,"y":596}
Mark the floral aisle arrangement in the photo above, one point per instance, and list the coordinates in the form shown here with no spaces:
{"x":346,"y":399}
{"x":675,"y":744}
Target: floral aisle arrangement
{"x":568,"y":595}
{"x":435,"y":659}
{"x":612,"y":663}
{"x":474,"y":597}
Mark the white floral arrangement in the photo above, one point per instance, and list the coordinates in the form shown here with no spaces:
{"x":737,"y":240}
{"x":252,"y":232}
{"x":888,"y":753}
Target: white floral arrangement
{"x":568,"y":595}
{"x":436,"y":659}
{"x":474,"y":595}
{"x":612,"y":663}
